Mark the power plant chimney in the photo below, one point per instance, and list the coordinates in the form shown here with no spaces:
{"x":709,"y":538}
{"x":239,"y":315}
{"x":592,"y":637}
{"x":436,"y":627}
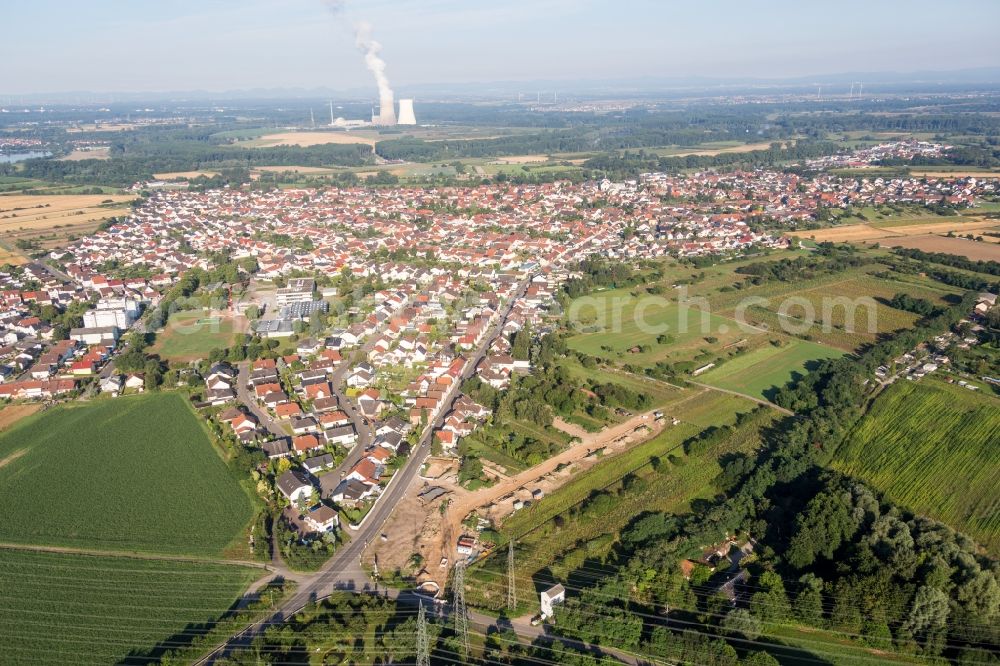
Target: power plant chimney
{"x":406,"y":116}
{"x":386,"y":110}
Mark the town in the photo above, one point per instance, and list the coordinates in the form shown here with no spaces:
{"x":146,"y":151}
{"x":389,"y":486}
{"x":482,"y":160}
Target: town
{"x":371,"y":307}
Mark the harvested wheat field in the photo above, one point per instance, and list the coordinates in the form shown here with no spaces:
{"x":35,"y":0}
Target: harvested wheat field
{"x":867,"y":232}
{"x":930,"y":173}
{"x":960,"y":246}
{"x":95,"y":154}
{"x":174,"y":175}
{"x":11,"y":257}
{"x":103,"y":127}
{"x":295,"y":169}
{"x":306,"y":139}
{"x":521,"y":159}
{"x":712,"y":152}
{"x":38,"y":212}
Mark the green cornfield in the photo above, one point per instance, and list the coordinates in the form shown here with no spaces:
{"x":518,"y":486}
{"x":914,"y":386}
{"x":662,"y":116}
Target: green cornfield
{"x":124,"y":474}
{"x":931,"y":446}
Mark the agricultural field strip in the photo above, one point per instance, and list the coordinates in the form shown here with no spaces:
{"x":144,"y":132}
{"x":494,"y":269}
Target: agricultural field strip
{"x":74,"y":609}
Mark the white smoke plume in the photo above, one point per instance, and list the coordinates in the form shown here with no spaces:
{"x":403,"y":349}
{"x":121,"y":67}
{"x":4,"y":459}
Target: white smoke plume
{"x":373,"y":61}
{"x":371,"y":48}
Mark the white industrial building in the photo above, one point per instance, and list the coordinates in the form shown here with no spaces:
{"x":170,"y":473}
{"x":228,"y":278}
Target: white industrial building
{"x":299,"y":290}
{"x":118,"y":312}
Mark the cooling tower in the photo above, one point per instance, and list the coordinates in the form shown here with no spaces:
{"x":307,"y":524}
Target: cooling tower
{"x":406,"y":116}
{"x":386,"y":110}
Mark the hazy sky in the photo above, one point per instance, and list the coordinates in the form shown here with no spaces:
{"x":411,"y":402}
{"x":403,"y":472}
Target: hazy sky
{"x":156,"y":45}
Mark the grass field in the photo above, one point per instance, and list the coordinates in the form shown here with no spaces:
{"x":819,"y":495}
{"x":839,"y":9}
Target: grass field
{"x":78,"y":609}
{"x":548,"y":551}
{"x":191,"y":335}
{"x":842,"y":324}
{"x":762,"y":371}
{"x":661,"y":394}
{"x":612,"y":322}
{"x":129,"y":474}
{"x":930,"y":446}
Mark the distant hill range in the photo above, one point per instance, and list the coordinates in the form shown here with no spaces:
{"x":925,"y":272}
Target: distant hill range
{"x":874,"y":82}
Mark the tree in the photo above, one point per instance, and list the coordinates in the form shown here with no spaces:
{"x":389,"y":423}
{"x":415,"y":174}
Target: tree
{"x":820,"y":529}
{"x":928,"y":618}
{"x":521,"y":345}
{"x":770,"y":603}
{"x":809,"y":601}
{"x":760,"y":658}
{"x":740,"y":622}
{"x":153,"y":375}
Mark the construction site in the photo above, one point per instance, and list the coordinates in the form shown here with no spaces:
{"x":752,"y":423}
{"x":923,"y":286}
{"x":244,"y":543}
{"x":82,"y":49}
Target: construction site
{"x":438,"y":522}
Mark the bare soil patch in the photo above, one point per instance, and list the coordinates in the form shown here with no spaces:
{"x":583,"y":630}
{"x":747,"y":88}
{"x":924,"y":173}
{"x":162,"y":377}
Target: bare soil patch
{"x":11,"y":414}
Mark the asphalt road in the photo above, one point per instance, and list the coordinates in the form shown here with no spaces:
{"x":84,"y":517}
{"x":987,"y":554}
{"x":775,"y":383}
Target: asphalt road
{"x":343,"y":571}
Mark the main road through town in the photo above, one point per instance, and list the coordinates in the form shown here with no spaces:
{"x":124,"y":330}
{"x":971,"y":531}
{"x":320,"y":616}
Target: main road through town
{"x":343,"y":571}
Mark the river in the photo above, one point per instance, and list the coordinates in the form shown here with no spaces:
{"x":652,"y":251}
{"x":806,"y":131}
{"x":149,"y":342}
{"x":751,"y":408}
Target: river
{"x":10,"y":158}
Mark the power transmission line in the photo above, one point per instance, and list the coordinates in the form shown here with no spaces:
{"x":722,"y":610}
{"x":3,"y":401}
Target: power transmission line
{"x":461,"y":612}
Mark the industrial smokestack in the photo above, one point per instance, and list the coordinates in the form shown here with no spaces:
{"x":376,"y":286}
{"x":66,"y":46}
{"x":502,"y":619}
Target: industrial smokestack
{"x":371,"y":48}
{"x":406,"y":116}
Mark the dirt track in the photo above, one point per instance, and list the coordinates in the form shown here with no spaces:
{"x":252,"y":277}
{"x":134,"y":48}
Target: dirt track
{"x":424,"y":529}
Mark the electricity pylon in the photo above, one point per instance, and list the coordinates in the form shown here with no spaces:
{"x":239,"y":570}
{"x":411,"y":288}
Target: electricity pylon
{"x":511,"y":586}
{"x":461,"y":612}
{"x":423,"y":640}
